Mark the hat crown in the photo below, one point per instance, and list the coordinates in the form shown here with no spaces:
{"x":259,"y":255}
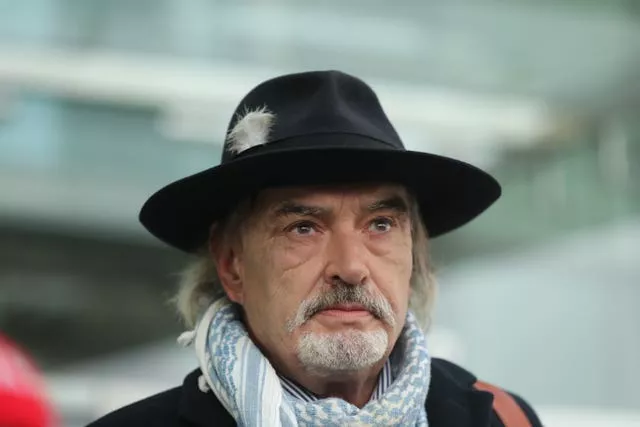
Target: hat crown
{"x":313,"y":103}
{"x":307,"y":129}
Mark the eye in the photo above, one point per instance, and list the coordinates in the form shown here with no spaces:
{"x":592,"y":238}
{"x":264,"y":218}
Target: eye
{"x":381,"y":225}
{"x":302,"y":228}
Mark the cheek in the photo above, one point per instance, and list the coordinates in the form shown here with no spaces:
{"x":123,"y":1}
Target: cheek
{"x":277,"y":281}
{"x":299,"y":267}
{"x":291,"y":255}
{"x":392,"y":270}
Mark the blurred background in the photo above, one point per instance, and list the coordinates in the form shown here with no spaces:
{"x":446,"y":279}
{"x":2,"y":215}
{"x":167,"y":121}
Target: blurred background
{"x":102,"y":102}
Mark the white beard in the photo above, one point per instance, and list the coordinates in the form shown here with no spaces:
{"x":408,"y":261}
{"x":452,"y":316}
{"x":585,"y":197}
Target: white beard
{"x":351,"y":350}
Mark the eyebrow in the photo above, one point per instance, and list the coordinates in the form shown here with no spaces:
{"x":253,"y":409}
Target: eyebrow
{"x":394,"y":203}
{"x":293,"y":208}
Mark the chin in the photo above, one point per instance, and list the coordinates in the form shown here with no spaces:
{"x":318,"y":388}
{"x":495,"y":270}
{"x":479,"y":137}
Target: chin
{"x":347,"y":350}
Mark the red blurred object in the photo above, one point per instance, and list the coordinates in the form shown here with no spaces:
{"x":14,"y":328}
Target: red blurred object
{"x":23,"y":400}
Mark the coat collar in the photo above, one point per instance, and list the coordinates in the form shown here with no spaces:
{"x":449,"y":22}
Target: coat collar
{"x":452,"y":401}
{"x":202,"y":409}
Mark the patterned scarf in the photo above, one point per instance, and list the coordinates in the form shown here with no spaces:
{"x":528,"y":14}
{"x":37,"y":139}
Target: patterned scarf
{"x":249,"y":388}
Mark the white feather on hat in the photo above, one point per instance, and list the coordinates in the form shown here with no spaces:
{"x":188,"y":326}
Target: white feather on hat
{"x":251,"y":130}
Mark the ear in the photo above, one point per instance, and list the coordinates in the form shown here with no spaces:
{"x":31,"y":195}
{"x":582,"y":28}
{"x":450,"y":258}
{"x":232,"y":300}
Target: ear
{"x":229,"y":269}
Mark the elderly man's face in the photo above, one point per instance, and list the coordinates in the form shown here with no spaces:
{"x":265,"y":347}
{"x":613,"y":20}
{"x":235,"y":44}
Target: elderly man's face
{"x":323,"y":275}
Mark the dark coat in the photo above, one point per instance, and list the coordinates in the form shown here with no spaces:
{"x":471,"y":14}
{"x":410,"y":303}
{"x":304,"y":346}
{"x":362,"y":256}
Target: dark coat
{"x":452,"y":402}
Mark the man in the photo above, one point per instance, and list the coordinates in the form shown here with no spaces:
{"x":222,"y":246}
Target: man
{"x":312,"y":283}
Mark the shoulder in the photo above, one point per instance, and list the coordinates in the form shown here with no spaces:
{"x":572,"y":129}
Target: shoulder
{"x":528,"y":410}
{"x":445,"y":372}
{"x":178,"y":407}
{"x":161,"y":409}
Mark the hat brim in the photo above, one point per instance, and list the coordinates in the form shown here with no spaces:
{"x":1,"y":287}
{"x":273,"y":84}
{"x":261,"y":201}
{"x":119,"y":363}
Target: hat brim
{"x":450,"y":193}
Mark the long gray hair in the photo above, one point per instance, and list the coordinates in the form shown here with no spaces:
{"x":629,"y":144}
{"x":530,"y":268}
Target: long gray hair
{"x":199,"y":284}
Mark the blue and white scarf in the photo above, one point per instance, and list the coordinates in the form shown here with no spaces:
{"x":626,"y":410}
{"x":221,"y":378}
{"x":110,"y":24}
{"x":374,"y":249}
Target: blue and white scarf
{"x":249,"y":388}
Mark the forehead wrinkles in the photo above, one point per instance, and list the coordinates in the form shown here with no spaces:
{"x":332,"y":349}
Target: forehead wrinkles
{"x":257,"y":212}
{"x":332,"y":198}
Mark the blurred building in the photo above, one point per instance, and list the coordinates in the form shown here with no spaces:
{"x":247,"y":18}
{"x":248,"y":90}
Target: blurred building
{"x":103,"y":102}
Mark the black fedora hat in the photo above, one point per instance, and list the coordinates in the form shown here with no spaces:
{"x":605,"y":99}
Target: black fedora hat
{"x":323,"y":127}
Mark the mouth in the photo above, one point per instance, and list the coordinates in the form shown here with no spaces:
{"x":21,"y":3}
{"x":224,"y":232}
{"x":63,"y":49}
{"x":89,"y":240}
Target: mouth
{"x":345,"y":310}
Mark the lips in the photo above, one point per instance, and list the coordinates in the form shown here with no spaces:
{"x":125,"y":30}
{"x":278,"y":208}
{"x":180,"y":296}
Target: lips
{"x":345,"y":311}
{"x":346,"y":307}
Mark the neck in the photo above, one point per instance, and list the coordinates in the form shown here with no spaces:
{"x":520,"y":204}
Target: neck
{"x":353,"y":387}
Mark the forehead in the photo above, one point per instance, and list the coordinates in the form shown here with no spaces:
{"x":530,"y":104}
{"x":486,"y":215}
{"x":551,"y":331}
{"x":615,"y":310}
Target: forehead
{"x":331,"y":194}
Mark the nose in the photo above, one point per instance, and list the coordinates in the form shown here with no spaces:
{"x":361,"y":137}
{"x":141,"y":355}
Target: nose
{"x":346,"y":260}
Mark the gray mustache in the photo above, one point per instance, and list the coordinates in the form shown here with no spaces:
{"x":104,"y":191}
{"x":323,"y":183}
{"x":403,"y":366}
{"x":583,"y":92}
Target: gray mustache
{"x":378,"y":306}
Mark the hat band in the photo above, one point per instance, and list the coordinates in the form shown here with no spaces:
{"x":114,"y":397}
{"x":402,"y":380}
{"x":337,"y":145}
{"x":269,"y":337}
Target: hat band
{"x":320,"y":140}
